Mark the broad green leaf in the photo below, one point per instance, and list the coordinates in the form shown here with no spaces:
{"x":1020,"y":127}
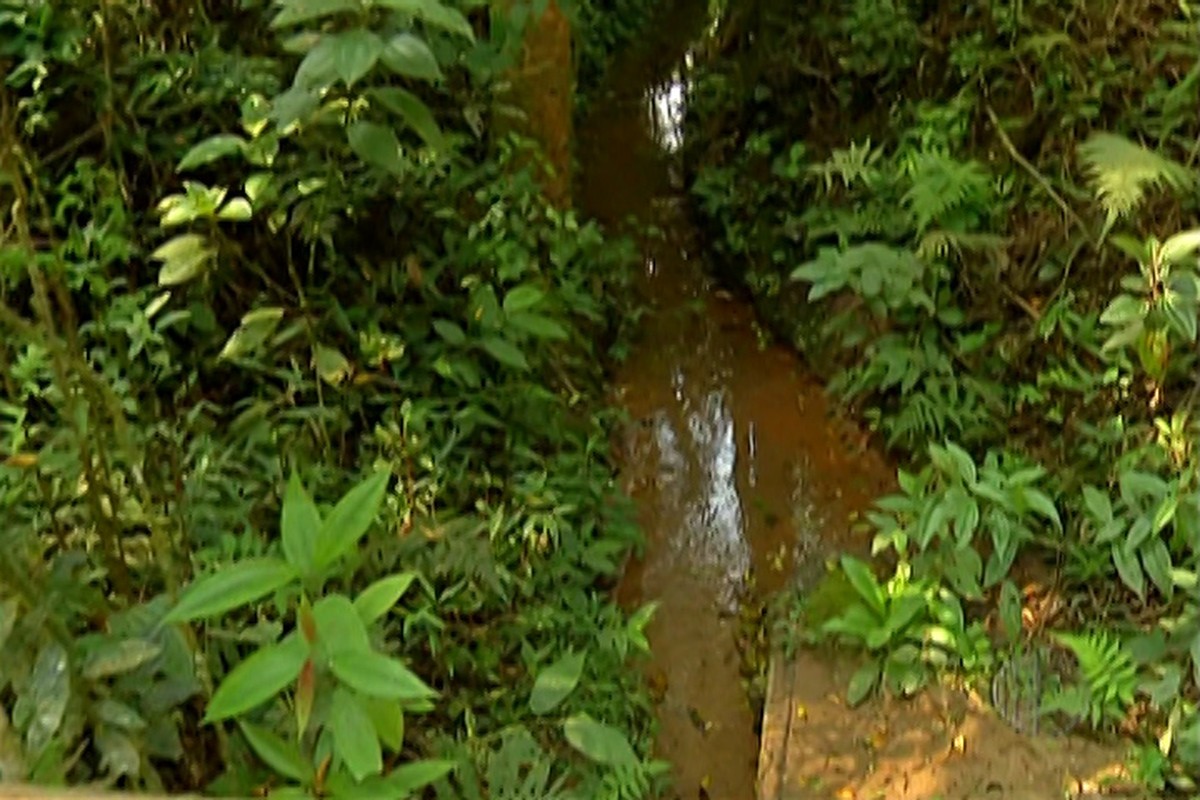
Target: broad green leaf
{"x":1180,"y":246}
{"x":281,"y":756}
{"x":236,"y":210}
{"x":234,"y":586}
{"x":864,"y":583}
{"x":48,"y":692}
{"x":376,"y":145}
{"x":1126,"y":336}
{"x":119,"y":715}
{"x":601,"y":743}
{"x":211,"y":149}
{"x":556,"y":682}
{"x":406,"y":779}
{"x":505,"y":352}
{"x":259,"y":678}
{"x":1098,"y":504}
{"x":301,"y":522}
{"x":294,"y":12}
{"x":388,"y":718}
{"x":257,"y":326}
{"x":538,"y":326}
{"x":354,"y":53}
{"x":432,"y":12}
{"x":863,"y":682}
{"x":350,"y":519}
{"x":408,"y":55}
{"x":1123,"y":310}
{"x":118,"y":657}
{"x":1129,"y":569}
{"x":376,"y":675}
{"x":317,"y":72}
{"x":1156,"y":560}
{"x":354,"y":735}
{"x":963,"y":463}
{"x":382,"y":595}
{"x":522,"y":298}
{"x":332,"y":367}
{"x":450,"y":332}
{"x":414,"y":112}
{"x":340,"y":629}
{"x":118,"y":754}
{"x":183,"y":258}
{"x":1039,"y":502}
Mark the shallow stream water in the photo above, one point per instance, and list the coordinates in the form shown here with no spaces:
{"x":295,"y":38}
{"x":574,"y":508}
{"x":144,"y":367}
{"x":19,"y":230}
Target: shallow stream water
{"x":742,"y":475}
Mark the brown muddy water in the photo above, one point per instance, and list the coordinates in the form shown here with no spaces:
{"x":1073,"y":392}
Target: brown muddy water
{"x":745,"y":481}
{"x":742,"y":475}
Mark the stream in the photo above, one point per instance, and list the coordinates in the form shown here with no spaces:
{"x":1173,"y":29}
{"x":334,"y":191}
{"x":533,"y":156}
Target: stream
{"x":743,"y":477}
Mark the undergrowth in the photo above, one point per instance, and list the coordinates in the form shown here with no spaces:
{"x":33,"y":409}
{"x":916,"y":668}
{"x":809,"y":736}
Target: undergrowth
{"x":306,"y":480}
{"x":982,"y":224}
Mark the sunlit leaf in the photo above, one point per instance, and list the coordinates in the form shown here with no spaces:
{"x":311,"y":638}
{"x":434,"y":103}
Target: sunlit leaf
{"x":232,"y":587}
{"x":47,"y":693}
{"x":183,"y":258}
{"x":350,"y":519}
{"x":376,"y":675}
{"x":601,"y":743}
{"x":382,"y":595}
{"x":256,"y":327}
{"x":118,"y":657}
{"x":259,"y":678}
{"x":556,"y":682}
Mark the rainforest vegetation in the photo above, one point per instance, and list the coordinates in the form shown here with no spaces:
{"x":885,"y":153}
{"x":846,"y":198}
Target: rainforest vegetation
{"x":307,"y":484}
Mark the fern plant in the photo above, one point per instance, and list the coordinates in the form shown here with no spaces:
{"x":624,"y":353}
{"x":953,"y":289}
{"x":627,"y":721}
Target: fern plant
{"x":1122,"y":172}
{"x":1107,"y":679}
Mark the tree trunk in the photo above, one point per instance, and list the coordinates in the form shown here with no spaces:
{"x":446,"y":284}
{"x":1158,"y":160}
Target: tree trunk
{"x":541,"y":93}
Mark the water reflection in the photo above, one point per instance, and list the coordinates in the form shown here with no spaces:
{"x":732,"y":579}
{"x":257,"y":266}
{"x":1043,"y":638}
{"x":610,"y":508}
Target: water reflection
{"x":667,"y":104}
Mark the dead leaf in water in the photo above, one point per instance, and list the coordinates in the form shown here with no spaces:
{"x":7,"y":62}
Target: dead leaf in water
{"x":703,"y":725}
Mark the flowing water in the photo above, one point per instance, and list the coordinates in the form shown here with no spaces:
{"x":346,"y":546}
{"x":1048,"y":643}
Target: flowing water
{"x":741,"y":474}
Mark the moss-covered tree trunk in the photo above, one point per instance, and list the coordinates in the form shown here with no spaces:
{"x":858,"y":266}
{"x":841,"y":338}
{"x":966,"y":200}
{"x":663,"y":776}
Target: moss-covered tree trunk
{"x":540,"y":92}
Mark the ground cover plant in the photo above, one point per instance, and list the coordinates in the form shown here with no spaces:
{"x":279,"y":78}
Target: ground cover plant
{"x":306,"y":480}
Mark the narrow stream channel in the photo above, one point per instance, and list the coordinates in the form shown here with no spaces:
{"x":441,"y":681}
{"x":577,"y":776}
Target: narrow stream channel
{"x":741,"y":474}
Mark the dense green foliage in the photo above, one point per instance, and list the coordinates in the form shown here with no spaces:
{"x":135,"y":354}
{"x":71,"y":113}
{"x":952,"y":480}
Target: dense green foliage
{"x":995,"y":207}
{"x":258,"y":257}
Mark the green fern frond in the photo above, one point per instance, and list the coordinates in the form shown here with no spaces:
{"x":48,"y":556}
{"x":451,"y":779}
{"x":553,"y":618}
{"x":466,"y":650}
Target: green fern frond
{"x":849,"y":166}
{"x":1107,"y":673}
{"x":939,"y":244}
{"x":941,"y":184}
{"x":1122,"y":172}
